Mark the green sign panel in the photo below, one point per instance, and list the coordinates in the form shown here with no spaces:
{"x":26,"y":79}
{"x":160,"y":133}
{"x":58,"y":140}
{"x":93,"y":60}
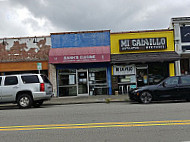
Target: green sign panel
{"x":39,"y":66}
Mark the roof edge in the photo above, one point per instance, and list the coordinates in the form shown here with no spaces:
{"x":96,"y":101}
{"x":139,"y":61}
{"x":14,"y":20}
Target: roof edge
{"x":80,"y":32}
{"x":143,"y":31}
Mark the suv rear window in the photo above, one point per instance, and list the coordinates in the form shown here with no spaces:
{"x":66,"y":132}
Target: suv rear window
{"x":30,"y":79}
{"x":45,"y":79}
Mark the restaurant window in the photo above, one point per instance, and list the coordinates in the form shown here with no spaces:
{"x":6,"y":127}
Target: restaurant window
{"x":184,"y":66}
{"x":67,"y":82}
{"x":98,"y":81}
{"x":157,"y":72}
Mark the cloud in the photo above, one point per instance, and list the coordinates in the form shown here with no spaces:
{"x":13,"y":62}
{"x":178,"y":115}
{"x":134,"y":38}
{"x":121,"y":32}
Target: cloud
{"x":18,"y":21}
{"x":39,"y":17}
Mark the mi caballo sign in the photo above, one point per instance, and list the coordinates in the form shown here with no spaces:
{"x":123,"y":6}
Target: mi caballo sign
{"x":143,"y":44}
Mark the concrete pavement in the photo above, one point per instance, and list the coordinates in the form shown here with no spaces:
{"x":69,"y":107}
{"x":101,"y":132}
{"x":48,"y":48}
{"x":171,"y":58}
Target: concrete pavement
{"x":87,"y":99}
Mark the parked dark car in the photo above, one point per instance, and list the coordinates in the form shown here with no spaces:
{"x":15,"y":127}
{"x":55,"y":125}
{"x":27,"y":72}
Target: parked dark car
{"x":172,"y":88}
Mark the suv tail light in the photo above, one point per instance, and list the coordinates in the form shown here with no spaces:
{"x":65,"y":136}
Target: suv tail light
{"x":42,"y":87}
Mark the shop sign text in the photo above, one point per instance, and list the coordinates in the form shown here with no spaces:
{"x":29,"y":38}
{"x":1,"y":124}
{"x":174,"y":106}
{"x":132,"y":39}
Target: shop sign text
{"x":124,"y":70}
{"x":79,"y":57}
{"x":142,"y":44}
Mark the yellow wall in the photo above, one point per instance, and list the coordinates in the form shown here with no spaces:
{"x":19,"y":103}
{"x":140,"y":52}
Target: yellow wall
{"x":172,"y":69}
{"x":115,"y":37}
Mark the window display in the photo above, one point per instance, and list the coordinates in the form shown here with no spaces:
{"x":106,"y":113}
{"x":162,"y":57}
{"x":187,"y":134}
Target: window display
{"x":67,"y":82}
{"x":184,"y":66}
{"x":73,"y":82}
{"x":157,"y":72}
{"x":98,"y":81}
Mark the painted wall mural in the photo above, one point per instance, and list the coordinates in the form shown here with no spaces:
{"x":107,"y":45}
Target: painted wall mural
{"x":24,"y":49}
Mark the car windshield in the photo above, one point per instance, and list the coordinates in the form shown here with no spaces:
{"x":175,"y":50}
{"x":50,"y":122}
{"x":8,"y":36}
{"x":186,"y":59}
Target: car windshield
{"x":161,"y":82}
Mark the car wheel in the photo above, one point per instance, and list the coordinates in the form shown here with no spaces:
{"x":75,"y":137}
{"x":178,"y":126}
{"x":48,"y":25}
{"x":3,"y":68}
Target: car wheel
{"x":24,"y":101}
{"x":145,"y":97}
{"x":37,"y":103}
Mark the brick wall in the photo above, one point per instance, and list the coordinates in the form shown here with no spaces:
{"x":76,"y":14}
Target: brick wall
{"x":24,"y":49}
{"x":53,"y":78}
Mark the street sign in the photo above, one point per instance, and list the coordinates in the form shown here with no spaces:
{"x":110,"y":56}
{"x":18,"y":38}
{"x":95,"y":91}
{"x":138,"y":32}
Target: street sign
{"x":39,"y":66}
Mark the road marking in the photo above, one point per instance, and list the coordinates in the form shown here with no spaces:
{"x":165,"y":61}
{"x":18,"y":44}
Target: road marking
{"x":95,"y":125}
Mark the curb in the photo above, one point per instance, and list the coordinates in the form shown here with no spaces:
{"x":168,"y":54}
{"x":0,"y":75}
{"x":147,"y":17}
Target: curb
{"x":61,"y":101}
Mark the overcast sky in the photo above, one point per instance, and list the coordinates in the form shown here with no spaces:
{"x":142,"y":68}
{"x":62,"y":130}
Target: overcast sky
{"x":20,"y":18}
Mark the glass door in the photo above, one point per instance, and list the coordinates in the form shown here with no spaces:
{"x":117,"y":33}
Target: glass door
{"x":82,"y":78}
{"x":142,"y":75}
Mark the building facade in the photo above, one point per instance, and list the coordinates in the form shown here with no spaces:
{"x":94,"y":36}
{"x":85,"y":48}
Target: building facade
{"x":24,"y":55}
{"x":141,"y":58}
{"x":181,"y":27}
{"x":80,"y":63}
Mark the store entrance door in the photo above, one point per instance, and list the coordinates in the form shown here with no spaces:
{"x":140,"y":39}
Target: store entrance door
{"x":142,"y":75}
{"x":82,"y":87}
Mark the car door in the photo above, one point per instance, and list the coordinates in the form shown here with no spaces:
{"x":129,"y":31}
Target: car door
{"x":9,"y":88}
{"x":184,"y":87}
{"x":168,"y":88}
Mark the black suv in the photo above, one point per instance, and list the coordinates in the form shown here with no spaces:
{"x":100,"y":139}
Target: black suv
{"x":172,"y":88}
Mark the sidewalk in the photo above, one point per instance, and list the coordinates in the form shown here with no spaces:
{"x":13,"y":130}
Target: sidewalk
{"x":87,"y":99}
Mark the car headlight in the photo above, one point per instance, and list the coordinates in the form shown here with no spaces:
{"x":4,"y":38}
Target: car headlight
{"x":136,"y":92}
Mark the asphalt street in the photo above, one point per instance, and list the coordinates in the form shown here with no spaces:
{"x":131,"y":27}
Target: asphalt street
{"x":97,"y":122}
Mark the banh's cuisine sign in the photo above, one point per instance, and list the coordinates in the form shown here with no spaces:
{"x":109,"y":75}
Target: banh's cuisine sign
{"x":143,"y":44}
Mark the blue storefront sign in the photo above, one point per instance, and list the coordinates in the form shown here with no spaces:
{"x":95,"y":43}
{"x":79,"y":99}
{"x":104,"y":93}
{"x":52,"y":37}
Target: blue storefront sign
{"x":80,"y":39}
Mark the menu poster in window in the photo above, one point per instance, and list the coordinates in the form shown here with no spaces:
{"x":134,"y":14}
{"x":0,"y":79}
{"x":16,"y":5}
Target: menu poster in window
{"x":71,"y":79}
{"x":133,"y":78}
{"x":145,"y":79}
{"x":126,"y":79}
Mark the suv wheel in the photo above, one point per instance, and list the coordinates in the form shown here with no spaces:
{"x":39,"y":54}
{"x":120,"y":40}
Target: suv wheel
{"x":37,"y":103}
{"x":24,"y":101}
{"x":145,"y":97}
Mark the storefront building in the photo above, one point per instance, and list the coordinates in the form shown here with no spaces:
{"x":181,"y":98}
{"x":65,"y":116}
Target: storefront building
{"x":80,"y":63}
{"x":24,"y":55}
{"x":141,"y":58}
{"x":181,"y":26}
